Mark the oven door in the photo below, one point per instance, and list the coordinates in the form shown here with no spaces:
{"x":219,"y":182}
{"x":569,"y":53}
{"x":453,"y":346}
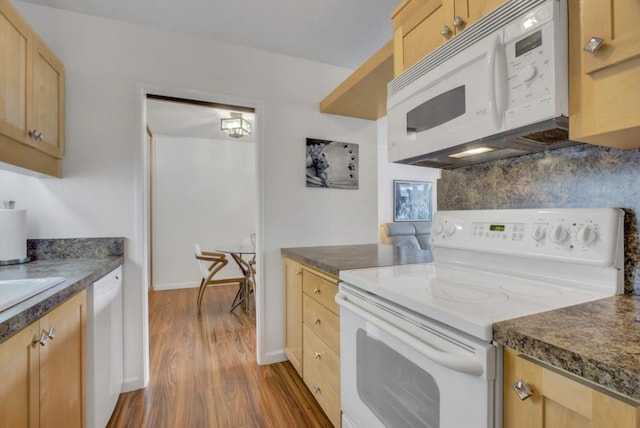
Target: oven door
{"x":400,"y":370}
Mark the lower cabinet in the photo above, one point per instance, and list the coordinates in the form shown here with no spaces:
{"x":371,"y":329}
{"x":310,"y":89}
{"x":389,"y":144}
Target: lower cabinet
{"x":312,"y":316}
{"x":560,"y":399}
{"x":42,"y":370}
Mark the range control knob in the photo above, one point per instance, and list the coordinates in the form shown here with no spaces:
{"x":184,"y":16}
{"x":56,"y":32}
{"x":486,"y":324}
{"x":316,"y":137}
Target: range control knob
{"x":438,"y":228}
{"x":539,"y":232}
{"x":587,"y":235}
{"x":559,"y":234}
{"x":450,"y":229}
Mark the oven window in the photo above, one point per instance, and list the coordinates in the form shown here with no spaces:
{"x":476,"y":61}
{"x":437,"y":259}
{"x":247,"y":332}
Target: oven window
{"x":396,"y":390}
{"x":437,"y":110}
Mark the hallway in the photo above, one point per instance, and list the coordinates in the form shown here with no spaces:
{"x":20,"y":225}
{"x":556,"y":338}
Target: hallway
{"x":203,"y":371}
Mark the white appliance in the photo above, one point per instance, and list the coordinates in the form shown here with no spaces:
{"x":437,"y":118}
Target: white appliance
{"x":105,"y":358}
{"x":497,"y":90}
{"x":416,"y":340}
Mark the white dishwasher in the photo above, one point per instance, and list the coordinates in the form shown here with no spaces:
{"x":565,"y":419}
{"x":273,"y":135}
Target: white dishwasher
{"x":104,"y":350}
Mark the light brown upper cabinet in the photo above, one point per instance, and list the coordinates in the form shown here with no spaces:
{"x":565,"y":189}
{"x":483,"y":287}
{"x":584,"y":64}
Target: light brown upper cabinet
{"x":604,"y":85}
{"x":31,"y":97}
{"x":420,"y":26}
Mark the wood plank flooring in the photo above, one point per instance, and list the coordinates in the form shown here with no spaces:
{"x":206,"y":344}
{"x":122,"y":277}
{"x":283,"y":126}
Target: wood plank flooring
{"x":204,"y":373}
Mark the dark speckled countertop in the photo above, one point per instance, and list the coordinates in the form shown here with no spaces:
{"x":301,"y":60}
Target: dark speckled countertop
{"x":599,"y":341}
{"x":333,"y":259}
{"x":79,"y":261}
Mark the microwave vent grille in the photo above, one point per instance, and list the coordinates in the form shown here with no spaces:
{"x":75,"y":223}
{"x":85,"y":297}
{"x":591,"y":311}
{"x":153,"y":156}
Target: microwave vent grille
{"x":495,"y":20}
{"x":548,"y":137}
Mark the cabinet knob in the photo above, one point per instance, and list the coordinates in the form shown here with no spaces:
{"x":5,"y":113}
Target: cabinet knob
{"x":446,"y":31}
{"x":51,"y":333}
{"x":36,"y":135}
{"x":316,"y":291}
{"x":298,"y":273}
{"x":458,"y":22}
{"x":317,"y":355}
{"x":316,"y":321}
{"x":522,"y":389}
{"x":593,"y":45}
{"x":42,"y":340}
{"x":316,"y":390}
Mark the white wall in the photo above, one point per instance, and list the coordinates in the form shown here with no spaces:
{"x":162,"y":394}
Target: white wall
{"x":203,"y":191}
{"x":107,"y":63}
{"x":389,"y":171}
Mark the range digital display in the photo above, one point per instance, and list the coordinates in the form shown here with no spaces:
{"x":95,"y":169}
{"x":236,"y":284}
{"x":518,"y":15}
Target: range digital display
{"x":496,"y":227}
{"x":529,"y":43}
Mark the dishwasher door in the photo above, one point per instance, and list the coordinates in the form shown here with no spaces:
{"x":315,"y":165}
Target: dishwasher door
{"x":104,"y":350}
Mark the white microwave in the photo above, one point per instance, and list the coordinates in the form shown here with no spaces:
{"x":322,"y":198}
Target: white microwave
{"x":497,"y":90}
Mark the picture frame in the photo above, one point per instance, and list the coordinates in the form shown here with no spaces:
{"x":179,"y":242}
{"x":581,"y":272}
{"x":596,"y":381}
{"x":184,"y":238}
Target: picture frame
{"x":331,"y":164}
{"x":412,"y":200}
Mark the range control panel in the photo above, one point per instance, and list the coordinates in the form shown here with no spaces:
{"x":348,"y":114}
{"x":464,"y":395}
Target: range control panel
{"x":583,"y":235}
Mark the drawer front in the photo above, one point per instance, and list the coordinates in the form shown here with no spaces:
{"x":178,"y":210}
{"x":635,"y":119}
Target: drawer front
{"x":328,"y":399}
{"x":321,"y":289}
{"x":321,"y":321}
{"x":323,"y":358}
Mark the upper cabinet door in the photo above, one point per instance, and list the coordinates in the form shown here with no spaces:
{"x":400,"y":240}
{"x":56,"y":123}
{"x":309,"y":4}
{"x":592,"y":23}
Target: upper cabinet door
{"x":14,"y":56}
{"x":618,"y":24}
{"x":604,"y":85}
{"x":421,"y":26}
{"x":47,"y":108}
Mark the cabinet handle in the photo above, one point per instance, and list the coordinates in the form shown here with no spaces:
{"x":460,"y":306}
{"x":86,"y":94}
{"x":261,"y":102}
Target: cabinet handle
{"x":446,"y":31}
{"x":36,"y":135}
{"x":51,"y":333}
{"x":522,"y":389}
{"x":316,"y":390}
{"x":593,"y":45}
{"x":316,"y":291}
{"x":316,"y":321}
{"x":317,"y":355}
{"x":298,"y":273}
{"x":458,"y":22}
{"x":42,"y":340}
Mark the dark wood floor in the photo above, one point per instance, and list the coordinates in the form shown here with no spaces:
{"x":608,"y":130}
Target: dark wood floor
{"x":204,"y":373}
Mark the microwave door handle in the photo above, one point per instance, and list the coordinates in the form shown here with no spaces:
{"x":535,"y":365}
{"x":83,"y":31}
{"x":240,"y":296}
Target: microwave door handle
{"x":457,"y":362}
{"x":497,"y":64}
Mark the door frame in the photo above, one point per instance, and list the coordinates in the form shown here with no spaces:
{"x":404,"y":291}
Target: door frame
{"x":144,"y":198}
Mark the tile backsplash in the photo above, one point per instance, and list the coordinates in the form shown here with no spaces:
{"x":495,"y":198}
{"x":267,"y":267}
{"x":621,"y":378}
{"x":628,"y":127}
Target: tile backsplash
{"x":579,"y":176}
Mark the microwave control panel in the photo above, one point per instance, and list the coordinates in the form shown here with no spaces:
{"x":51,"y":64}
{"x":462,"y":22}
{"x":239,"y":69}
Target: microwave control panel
{"x":534,"y":67}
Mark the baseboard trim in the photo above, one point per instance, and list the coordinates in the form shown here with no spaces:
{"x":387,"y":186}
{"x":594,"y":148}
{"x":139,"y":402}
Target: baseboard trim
{"x":175,"y":286}
{"x":272,"y":358}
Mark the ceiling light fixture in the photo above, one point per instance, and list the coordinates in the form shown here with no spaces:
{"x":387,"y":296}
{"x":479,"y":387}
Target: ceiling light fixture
{"x":235,"y":126}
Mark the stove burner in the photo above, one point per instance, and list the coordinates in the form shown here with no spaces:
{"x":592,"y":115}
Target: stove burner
{"x":465,"y":294}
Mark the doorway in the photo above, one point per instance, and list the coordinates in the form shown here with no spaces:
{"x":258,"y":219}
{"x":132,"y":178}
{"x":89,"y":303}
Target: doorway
{"x":252,"y":163}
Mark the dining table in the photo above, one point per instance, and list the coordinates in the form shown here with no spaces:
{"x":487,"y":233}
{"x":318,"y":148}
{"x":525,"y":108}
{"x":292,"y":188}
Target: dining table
{"x":243,"y":254}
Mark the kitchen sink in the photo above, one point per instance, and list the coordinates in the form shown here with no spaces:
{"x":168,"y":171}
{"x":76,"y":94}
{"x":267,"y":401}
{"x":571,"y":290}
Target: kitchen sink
{"x":14,"y":291}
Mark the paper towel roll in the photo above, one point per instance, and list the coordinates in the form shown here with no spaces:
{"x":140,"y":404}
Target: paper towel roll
{"x":13,"y":234}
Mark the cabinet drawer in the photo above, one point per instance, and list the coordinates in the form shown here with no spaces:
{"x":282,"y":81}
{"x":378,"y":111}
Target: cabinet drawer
{"x":321,"y":289}
{"x":328,"y":399}
{"x":323,"y":358}
{"x":321,"y":321}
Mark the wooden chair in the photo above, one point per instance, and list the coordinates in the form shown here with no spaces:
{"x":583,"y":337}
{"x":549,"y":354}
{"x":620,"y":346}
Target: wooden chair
{"x":248,"y":267}
{"x":210,"y":264}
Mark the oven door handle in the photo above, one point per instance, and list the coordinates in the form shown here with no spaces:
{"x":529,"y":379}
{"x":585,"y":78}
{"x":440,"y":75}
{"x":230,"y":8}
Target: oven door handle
{"x":457,"y":362}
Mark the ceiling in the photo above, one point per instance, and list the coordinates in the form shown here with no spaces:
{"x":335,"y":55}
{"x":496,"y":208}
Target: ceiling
{"x":192,"y":121}
{"x":338,"y":32}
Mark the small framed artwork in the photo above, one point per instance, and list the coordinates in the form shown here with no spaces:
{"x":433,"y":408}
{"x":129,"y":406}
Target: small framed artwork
{"x":332,"y":164}
{"x":411,"y":200}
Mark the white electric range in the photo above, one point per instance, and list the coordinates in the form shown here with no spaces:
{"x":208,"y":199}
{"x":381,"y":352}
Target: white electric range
{"x":416,"y":340}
